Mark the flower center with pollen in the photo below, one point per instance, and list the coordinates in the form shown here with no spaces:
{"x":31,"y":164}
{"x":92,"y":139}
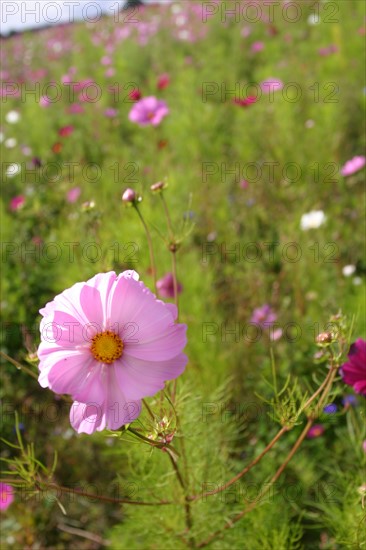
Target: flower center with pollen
{"x":107,"y":347}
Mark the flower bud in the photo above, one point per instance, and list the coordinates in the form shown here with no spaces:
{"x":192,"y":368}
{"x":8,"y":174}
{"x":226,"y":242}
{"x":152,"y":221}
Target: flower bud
{"x":324,"y":338}
{"x":159,"y":186}
{"x":129,"y":196}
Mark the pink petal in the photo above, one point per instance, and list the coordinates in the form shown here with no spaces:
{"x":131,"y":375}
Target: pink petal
{"x":162,"y":348}
{"x":91,"y":303}
{"x":139,"y":379}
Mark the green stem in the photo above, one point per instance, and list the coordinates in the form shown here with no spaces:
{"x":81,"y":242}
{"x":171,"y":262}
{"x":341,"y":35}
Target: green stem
{"x":150,"y":245}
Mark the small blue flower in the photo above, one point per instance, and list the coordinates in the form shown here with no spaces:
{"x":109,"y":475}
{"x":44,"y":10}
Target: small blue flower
{"x":330,"y":409}
{"x":349,"y":400}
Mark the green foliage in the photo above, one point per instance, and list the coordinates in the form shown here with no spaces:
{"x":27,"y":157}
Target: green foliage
{"x":223,"y":422}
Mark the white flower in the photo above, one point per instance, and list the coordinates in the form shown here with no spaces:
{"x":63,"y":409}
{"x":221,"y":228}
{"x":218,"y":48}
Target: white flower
{"x":357,"y":281}
{"x":12,"y":117}
{"x":10,"y":143}
{"x":312,"y":220}
{"x":13,"y":169}
{"x":348,"y":270}
{"x":313,"y":19}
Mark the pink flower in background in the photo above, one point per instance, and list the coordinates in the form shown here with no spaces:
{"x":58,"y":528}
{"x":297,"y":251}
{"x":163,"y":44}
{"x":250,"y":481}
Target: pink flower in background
{"x":110,"y":112}
{"x":165,"y":286}
{"x":328,"y":50}
{"x":44,"y":101}
{"x":263,"y":316}
{"x":354,"y":165}
{"x":73,"y":195}
{"x":17,"y":203}
{"x":110,"y":72}
{"x":315,"y":431}
{"x":109,"y":343}
{"x":354,"y":371}
{"x":135,"y":95}
{"x":246,"y":101}
{"x":163,"y":81}
{"x":6,"y":496}
{"x":66,"y":131}
{"x":106,"y":60}
{"x":75,"y":109}
{"x":257,"y":47}
{"x":271,"y":85}
{"x":148,"y":110}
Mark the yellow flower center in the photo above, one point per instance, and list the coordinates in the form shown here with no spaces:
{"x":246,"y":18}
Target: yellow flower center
{"x":107,"y":347}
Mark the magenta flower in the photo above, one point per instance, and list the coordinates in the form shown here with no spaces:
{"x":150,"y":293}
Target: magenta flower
{"x":315,"y":431}
{"x":149,"y":110}
{"x":352,"y":166}
{"x":66,"y":131}
{"x":165,"y":286}
{"x":354,"y":371}
{"x":6,"y":496}
{"x":73,"y":195}
{"x":249,"y":100}
{"x":263,"y":316}
{"x":163,"y":81}
{"x":135,"y":95}
{"x":257,"y":46}
{"x":109,"y":343}
{"x":17,"y":203}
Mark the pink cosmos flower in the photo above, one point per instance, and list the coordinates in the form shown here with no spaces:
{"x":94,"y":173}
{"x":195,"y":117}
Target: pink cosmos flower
{"x":44,"y":101}
{"x":249,"y":100}
{"x":257,"y":47}
{"x":109,"y":343}
{"x":165,"y":286}
{"x":66,"y":131}
{"x":149,"y":110}
{"x":110,"y":112}
{"x":135,"y":95}
{"x":315,"y":431}
{"x":75,"y":109}
{"x":352,"y":166}
{"x":73,"y":195}
{"x":6,"y":496}
{"x":354,"y":371}
{"x":163,"y":81}
{"x":271,"y":85}
{"x":328,"y":50}
{"x":17,"y":203}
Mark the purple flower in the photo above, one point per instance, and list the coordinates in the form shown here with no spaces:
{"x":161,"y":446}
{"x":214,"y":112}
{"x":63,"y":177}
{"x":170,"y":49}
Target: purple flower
{"x":330,"y":409}
{"x":148,"y":110}
{"x":110,"y":112}
{"x":263,"y":316}
{"x":165,"y":286}
{"x":354,"y":371}
{"x":349,"y":400}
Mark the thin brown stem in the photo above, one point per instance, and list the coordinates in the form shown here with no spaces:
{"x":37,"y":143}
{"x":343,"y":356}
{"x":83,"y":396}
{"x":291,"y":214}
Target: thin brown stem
{"x":68,"y":490}
{"x":326,"y":387}
{"x":187,"y":505}
{"x":271,"y":444}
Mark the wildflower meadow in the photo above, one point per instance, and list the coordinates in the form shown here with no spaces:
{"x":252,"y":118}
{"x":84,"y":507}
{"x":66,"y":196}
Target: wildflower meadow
{"x":183,"y":342}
